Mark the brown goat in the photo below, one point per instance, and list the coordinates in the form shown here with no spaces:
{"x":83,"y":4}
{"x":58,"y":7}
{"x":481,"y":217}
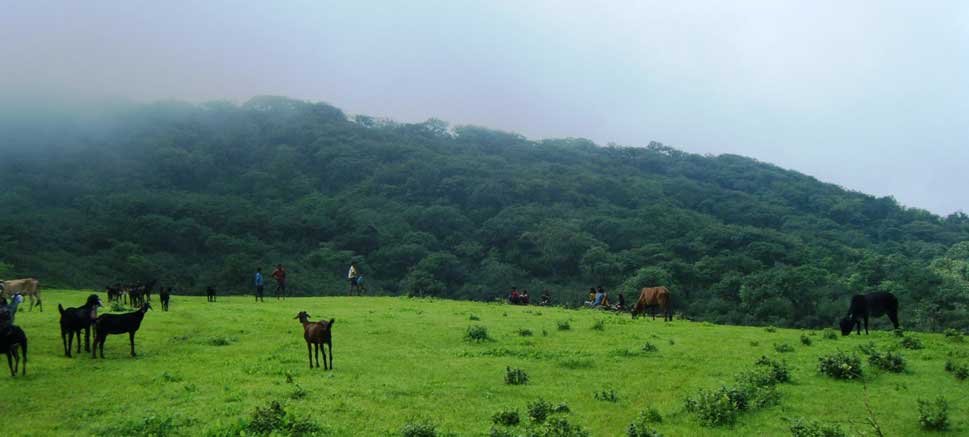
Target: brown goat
{"x":317,"y":334}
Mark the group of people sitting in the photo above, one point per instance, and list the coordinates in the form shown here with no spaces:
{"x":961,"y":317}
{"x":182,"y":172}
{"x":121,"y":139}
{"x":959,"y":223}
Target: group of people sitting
{"x":598,"y":298}
{"x":521,"y":298}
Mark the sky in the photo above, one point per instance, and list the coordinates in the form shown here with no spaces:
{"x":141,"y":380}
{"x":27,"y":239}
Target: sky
{"x":870,"y":95}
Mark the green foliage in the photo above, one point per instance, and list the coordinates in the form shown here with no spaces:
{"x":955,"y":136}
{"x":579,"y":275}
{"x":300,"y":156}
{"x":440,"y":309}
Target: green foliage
{"x":477,"y":334}
{"x":890,"y":361}
{"x":558,"y":427}
{"x":934,"y":414}
{"x":525,"y":332}
{"x":783,"y":348}
{"x":805,"y":340}
{"x":473,"y":317}
{"x":642,"y":426}
{"x":563,"y":325}
{"x":539,"y":410}
{"x":770,"y":329}
{"x":911,"y":343}
{"x":829,"y":334}
{"x":840,"y":365}
{"x":599,"y":325}
{"x":812,"y":428}
{"x":649,"y":347}
{"x":515,"y":376}
{"x":606,"y":395}
{"x":420,"y":428}
{"x":273,"y":419}
{"x":960,"y":371}
{"x":953,"y":335}
{"x":717,"y":407}
{"x":777,"y":371}
{"x":506,"y":418}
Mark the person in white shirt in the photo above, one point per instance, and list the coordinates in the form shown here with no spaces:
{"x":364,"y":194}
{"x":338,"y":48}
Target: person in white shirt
{"x":352,"y":276}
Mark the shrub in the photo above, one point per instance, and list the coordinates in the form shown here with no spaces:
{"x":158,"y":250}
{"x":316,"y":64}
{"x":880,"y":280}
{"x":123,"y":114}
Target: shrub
{"x":119,"y":307}
{"x":829,"y":334}
{"x":953,"y":335}
{"x":777,"y":370}
{"x":474,"y":317}
{"x":840,"y":365}
{"x":299,"y":392}
{"x":150,"y":425}
{"x":506,"y":418}
{"x":890,"y":361}
{"x":563,"y":325}
{"x":477,"y":333}
{"x":783,"y":348}
{"x":525,"y":332}
{"x":911,"y":343}
{"x":641,"y":426}
{"x":960,"y":371}
{"x":544,"y":333}
{"x":515,"y":376}
{"x":539,"y":410}
{"x":649,"y":347}
{"x":716,"y":407}
{"x":606,"y":395}
{"x":898,"y":332}
{"x":561,"y":408}
{"x":868,"y":348}
{"x":934,"y":415}
{"x":559,"y":427}
{"x":802,"y":428}
{"x":599,"y":325}
{"x":422,"y":428}
{"x":274,"y":419}
{"x":771,"y":329}
{"x":221,"y":341}
{"x":577,"y":363}
{"x":754,"y":343}
{"x":499,"y":432}
{"x":805,"y":340}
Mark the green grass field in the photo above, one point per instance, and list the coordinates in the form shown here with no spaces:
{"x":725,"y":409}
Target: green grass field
{"x":205,"y":366}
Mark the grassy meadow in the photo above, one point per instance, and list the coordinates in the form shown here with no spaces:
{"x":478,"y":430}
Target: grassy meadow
{"x":204,"y":367}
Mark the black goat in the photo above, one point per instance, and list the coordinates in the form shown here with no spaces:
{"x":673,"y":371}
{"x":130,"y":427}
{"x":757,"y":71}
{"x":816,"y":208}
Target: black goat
{"x":74,"y":320}
{"x":9,"y":339}
{"x":118,"y":324}
{"x":869,"y":305}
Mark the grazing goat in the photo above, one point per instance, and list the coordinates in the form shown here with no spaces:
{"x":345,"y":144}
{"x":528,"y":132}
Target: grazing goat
{"x":10,"y":338}
{"x":863,"y":306}
{"x":317,"y":334}
{"x":74,"y":320}
{"x":118,"y":324}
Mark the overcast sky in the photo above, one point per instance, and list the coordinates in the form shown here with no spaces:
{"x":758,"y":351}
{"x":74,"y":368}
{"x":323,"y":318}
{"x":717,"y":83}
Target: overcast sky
{"x":870,"y":95}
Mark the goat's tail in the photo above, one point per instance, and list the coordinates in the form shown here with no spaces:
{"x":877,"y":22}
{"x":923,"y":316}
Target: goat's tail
{"x":331,"y":322}
{"x":23,"y":347}
{"x":60,"y":308}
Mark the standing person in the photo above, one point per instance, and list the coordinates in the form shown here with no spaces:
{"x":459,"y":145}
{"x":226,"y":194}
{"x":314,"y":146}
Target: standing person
{"x":15,"y":302}
{"x":280,"y":275}
{"x":259,"y":285}
{"x":352,"y":275}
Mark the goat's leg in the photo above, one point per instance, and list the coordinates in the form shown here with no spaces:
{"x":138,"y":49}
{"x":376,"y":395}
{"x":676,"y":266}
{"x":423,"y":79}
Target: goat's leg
{"x":10,"y":362}
{"x":330,"y":347}
{"x":866,"y":325}
{"x":67,"y":351}
{"x":131,"y":337}
{"x":87,"y":339}
{"x":316,"y":353}
{"x":309,"y":353}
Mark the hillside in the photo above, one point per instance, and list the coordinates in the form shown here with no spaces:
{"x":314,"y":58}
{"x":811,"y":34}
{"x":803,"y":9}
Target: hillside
{"x":203,"y":368}
{"x":203,"y":194}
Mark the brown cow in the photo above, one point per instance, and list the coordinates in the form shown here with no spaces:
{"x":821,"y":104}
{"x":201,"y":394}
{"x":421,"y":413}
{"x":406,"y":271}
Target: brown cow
{"x":653,"y":297}
{"x":28,"y":287}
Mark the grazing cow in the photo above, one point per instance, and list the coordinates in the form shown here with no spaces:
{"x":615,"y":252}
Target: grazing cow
{"x":10,"y":338}
{"x":868,"y":305}
{"x":118,"y":324}
{"x":317,"y":335}
{"x":75,"y":320}
{"x":29,"y":287}
{"x":652,"y":297}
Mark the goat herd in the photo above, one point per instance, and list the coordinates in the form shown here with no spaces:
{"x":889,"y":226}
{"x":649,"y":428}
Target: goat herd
{"x":74,"y":320}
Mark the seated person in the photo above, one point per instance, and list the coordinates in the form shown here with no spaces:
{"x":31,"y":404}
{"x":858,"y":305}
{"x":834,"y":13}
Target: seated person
{"x":524,"y":297}
{"x":546,"y":298}
{"x":592,"y":297}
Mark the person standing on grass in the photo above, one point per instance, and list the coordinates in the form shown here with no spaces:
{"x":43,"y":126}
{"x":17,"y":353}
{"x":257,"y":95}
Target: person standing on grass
{"x":352,"y":276}
{"x":259,"y":285}
{"x":280,"y":275}
{"x":15,"y":302}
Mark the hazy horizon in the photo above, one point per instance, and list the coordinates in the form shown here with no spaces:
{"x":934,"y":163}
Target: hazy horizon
{"x":871,"y":99}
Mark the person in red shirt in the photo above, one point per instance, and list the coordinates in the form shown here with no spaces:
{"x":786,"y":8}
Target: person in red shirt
{"x":280,"y":275}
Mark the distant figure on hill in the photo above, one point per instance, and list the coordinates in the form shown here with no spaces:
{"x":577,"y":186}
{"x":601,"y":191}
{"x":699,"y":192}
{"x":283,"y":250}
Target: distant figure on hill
{"x":513,"y":297}
{"x":280,"y":275}
{"x":622,"y":302}
{"x":259,"y":285}
{"x":210,"y":293}
{"x":605,"y":297}
{"x":353,"y":278}
{"x":546,"y":298}
{"x":524,"y":298}
{"x":592,"y":297}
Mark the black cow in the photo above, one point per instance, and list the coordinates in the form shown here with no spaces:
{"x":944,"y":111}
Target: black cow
{"x":868,"y":305}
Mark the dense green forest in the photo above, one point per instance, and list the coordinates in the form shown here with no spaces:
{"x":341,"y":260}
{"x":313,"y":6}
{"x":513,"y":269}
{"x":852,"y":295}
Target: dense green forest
{"x":203,"y":194}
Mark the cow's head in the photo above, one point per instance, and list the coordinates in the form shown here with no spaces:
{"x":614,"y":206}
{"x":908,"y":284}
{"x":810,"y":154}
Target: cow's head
{"x":846,"y":326}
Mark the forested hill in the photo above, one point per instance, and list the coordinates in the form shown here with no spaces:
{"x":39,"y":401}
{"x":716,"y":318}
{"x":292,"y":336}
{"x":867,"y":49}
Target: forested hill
{"x":203,"y":194}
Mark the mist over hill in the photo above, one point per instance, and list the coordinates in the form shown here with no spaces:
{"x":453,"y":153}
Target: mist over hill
{"x":199,"y":194}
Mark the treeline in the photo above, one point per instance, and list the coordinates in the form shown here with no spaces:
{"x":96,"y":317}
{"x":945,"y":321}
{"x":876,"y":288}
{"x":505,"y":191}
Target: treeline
{"x":203,"y":194}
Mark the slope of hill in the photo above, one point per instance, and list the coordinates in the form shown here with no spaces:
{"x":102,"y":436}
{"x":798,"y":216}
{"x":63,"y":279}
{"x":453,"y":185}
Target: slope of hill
{"x":204,"y":368}
{"x":202,"y":194}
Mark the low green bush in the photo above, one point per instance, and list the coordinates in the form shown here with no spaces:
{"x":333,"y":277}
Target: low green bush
{"x":840,"y":365}
{"x":477,"y":333}
{"x":890,"y":361}
{"x":911,"y":343}
{"x":811,"y":428}
{"x":515,"y":376}
{"x":642,"y":426}
{"x":934,"y":414}
{"x":506,"y":418}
